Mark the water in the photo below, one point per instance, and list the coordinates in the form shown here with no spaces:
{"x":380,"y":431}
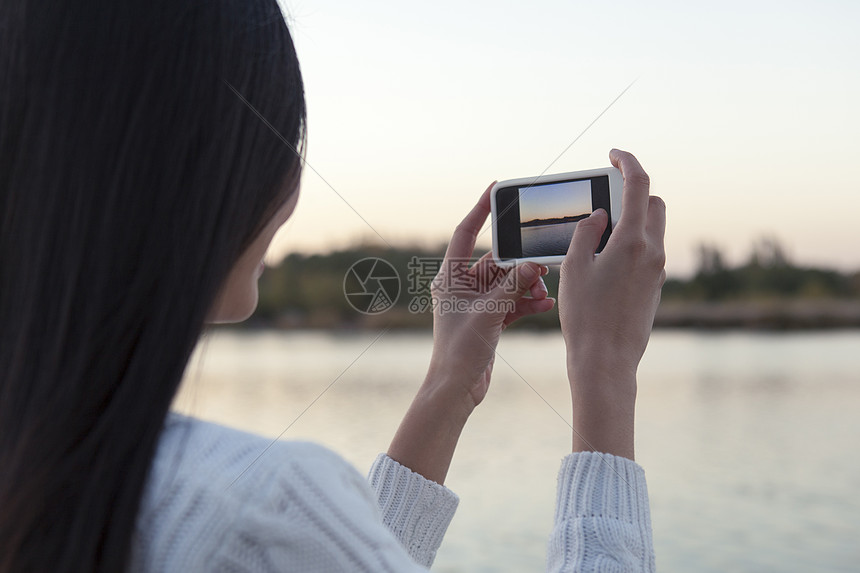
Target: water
{"x":545,"y":240}
{"x":749,"y":441}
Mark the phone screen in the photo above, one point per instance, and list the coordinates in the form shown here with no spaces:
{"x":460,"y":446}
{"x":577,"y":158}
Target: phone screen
{"x":539,"y":220}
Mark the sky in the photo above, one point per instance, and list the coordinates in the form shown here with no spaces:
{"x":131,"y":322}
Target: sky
{"x":555,"y":200}
{"x":744,"y":114}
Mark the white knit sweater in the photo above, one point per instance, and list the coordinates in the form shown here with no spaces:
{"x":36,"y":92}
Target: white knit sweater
{"x":219,"y":499}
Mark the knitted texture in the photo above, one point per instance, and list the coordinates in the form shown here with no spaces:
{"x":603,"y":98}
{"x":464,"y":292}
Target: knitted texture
{"x":218,"y":499}
{"x":602,"y":519}
{"x":296,"y":507}
{"x":415,"y":509}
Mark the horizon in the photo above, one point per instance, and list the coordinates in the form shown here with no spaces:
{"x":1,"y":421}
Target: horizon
{"x":555,"y":200}
{"x":371,"y":243}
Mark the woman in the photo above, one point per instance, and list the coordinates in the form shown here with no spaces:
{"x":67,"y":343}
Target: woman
{"x":148,"y":152}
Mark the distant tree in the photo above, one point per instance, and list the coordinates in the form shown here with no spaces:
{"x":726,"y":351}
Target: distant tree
{"x":710,"y":259}
{"x":713,"y":279}
{"x":768,"y":252}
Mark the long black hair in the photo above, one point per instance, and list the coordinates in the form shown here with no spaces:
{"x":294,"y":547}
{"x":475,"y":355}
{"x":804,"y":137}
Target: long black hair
{"x":132,"y":177}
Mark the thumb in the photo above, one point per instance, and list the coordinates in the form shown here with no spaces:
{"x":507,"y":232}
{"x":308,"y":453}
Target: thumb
{"x":519,"y":280}
{"x":586,"y":238}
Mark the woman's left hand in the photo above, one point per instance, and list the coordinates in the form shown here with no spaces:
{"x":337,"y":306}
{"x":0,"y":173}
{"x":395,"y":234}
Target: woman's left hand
{"x":471,"y":307}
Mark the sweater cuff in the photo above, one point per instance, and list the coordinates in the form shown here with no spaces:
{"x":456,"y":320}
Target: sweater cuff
{"x":593,"y":484}
{"x":597,"y":490}
{"x":417,"y":510}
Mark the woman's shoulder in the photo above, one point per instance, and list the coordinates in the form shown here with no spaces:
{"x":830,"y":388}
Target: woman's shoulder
{"x":216,"y":492}
{"x":220,"y":456}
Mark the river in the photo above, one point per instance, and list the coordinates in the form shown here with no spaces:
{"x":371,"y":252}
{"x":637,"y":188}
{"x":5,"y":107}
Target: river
{"x":749,"y":440}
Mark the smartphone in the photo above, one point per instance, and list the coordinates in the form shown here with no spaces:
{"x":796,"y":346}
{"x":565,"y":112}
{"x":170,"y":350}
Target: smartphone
{"x":534,"y":217}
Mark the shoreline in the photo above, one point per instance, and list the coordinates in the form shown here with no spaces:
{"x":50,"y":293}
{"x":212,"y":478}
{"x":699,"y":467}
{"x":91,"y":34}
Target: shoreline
{"x":760,"y":315}
{"x":765,"y":315}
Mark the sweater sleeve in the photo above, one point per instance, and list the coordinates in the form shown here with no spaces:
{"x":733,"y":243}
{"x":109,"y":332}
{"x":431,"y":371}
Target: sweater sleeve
{"x":311,"y":512}
{"x":602,"y":520}
{"x":416,"y":510}
{"x":221,"y":500}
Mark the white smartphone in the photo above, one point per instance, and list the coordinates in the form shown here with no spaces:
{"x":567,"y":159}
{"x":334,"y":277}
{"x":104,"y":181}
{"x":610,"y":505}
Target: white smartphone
{"x":534,"y":217}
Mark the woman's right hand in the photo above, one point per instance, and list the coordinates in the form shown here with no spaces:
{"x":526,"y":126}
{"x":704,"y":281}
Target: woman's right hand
{"x":607,"y":306}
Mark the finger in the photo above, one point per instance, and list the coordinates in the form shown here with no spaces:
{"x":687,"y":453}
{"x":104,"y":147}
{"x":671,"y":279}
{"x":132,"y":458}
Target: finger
{"x":486,"y":259}
{"x":656,"y":225}
{"x":586,"y":238}
{"x":634,"y":198}
{"x":463,"y":241}
{"x":487,"y":274}
{"x":519,"y":280}
{"x":538,"y":289}
{"x":528,"y":306}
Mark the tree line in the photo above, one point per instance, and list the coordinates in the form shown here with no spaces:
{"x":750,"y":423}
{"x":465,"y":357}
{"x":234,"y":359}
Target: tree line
{"x":767,"y":274}
{"x":307,"y":291}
